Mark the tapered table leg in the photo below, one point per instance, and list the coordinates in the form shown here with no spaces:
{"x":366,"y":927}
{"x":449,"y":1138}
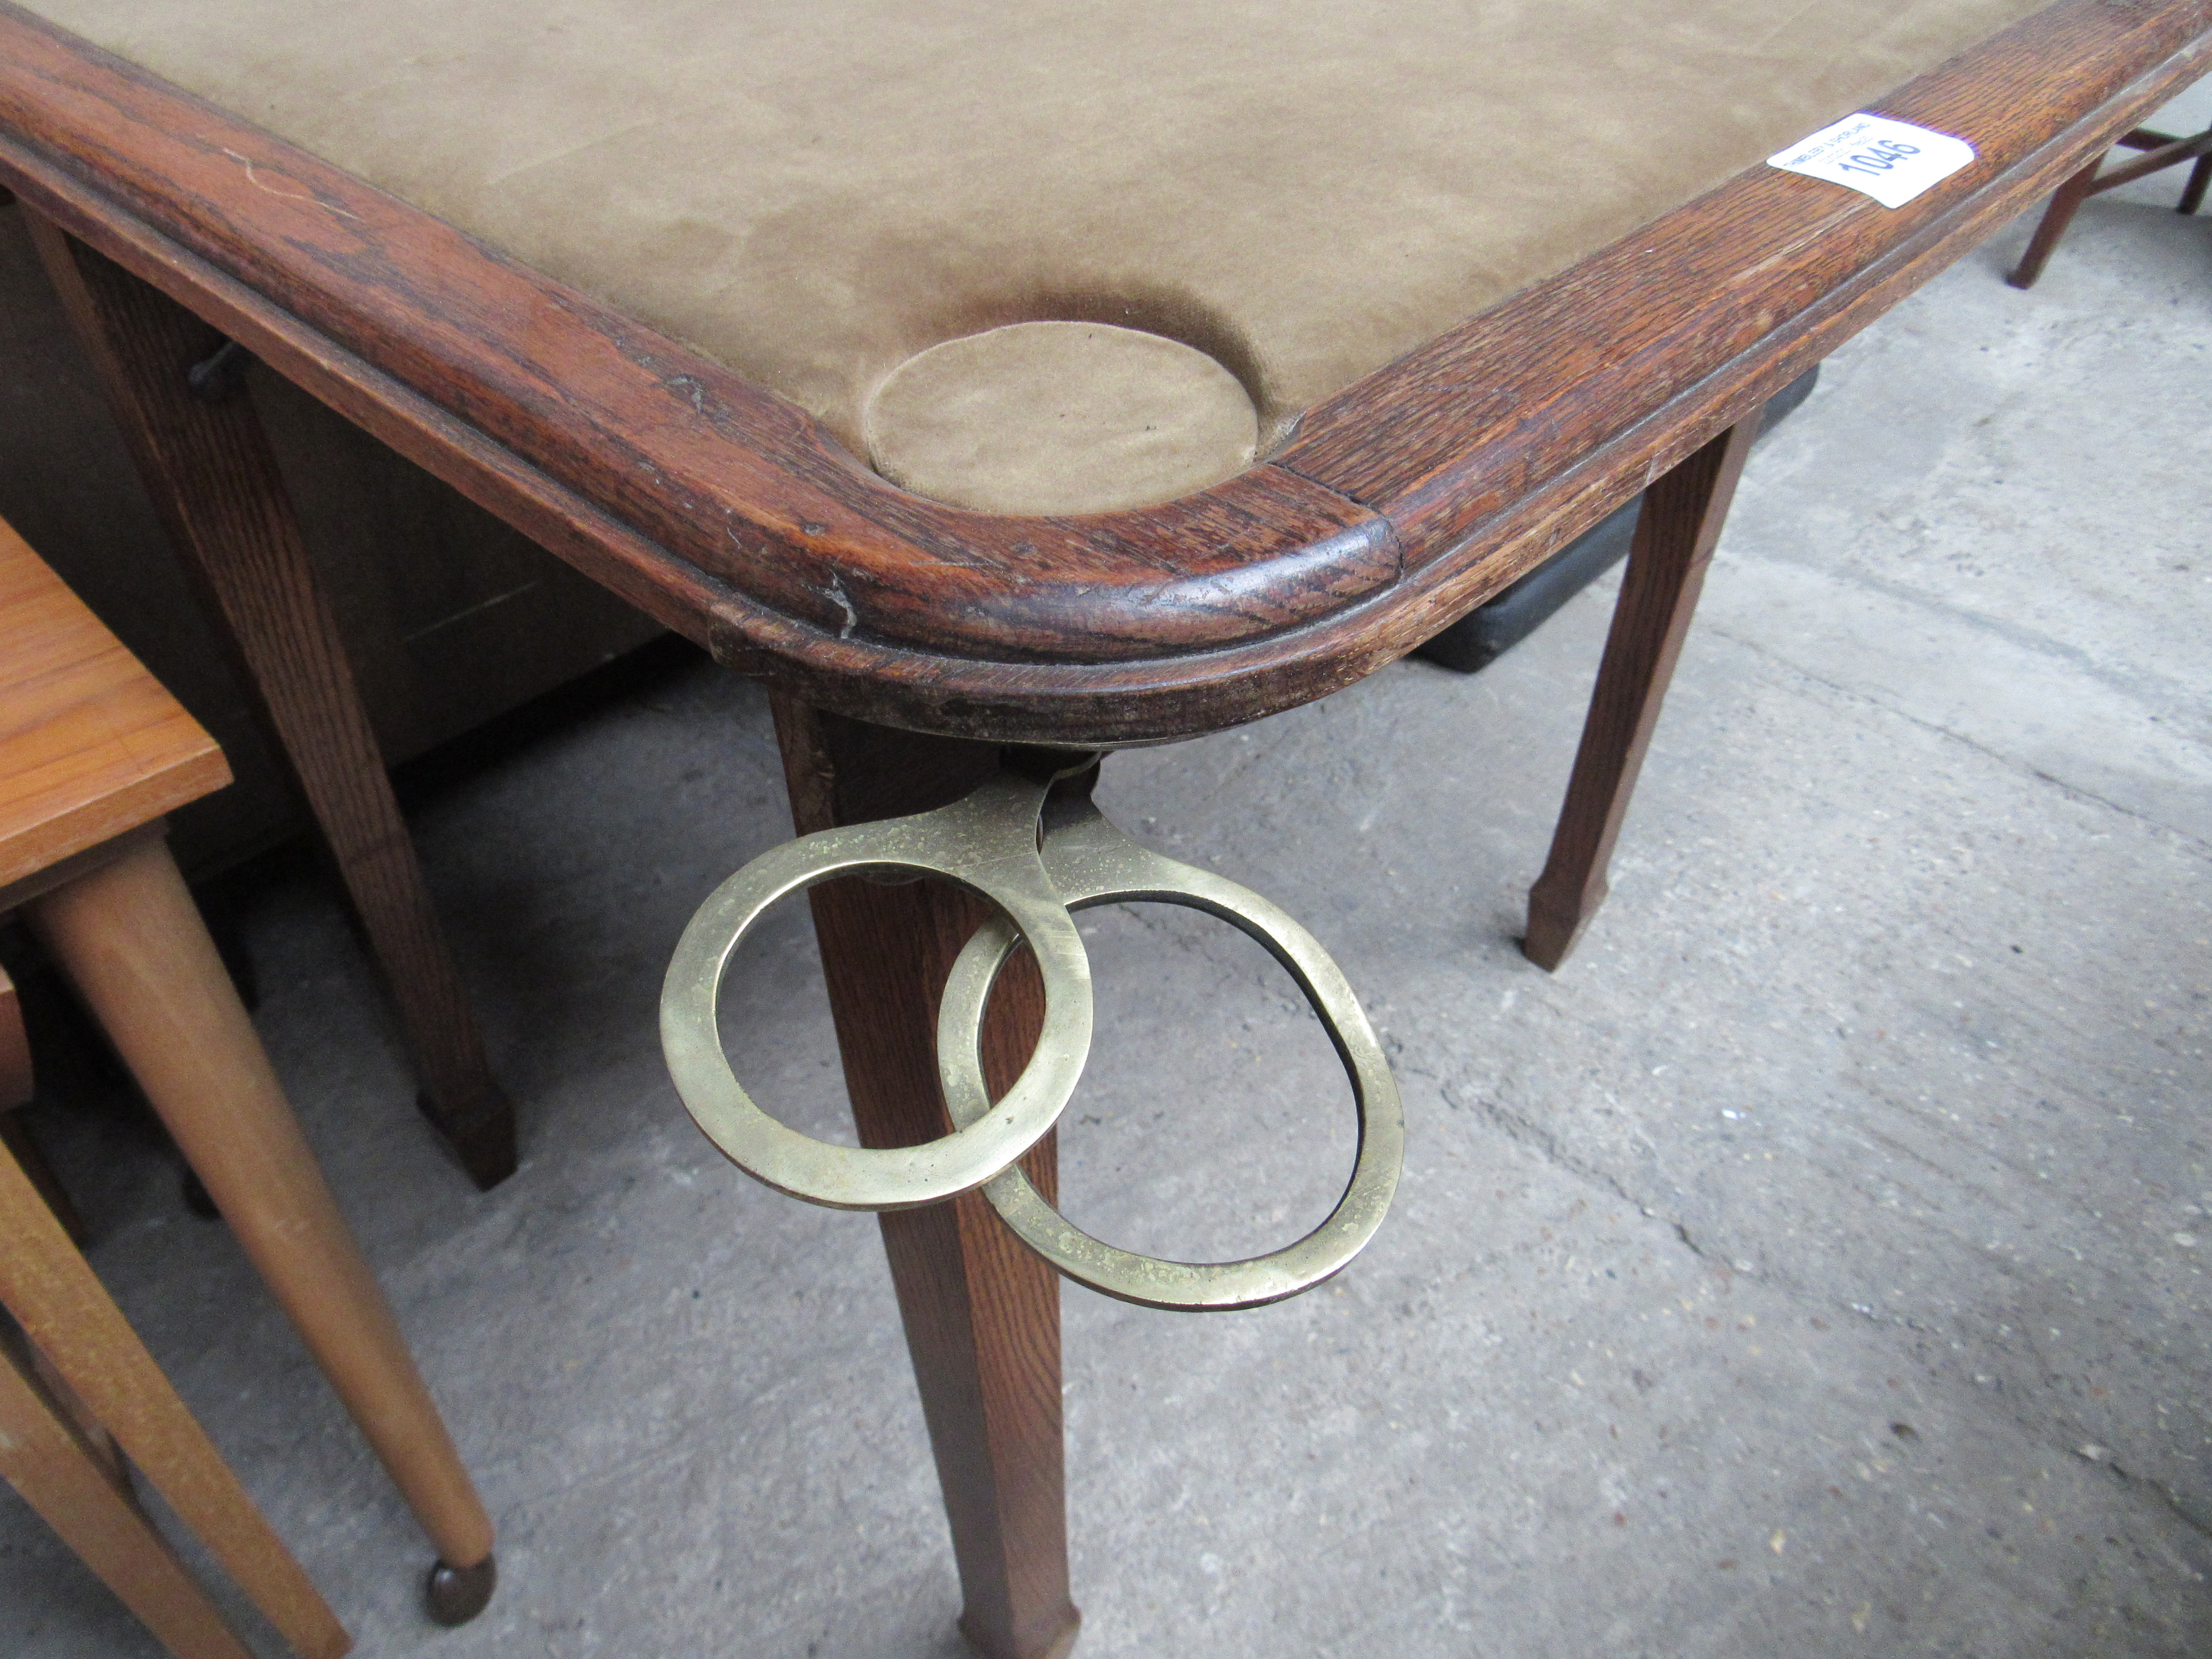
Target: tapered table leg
{"x":209,"y":471}
{"x":2192,"y":193}
{"x":2065,"y":202}
{"x":1675,"y":533}
{"x":130,"y":940}
{"x":981,"y":1313}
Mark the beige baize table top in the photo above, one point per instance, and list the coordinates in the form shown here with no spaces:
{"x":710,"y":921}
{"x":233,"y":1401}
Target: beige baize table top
{"x":815,"y":192}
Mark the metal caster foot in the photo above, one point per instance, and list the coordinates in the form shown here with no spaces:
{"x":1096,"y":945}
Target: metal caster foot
{"x":457,"y":1594}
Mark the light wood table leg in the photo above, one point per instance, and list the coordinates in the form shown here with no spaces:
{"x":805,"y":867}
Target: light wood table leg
{"x":209,"y":471}
{"x":130,"y":940}
{"x":1675,"y":534}
{"x":80,"y":1332}
{"x":15,"y":1090}
{"x":981,"y":1313}
{"x":58,"y":1478}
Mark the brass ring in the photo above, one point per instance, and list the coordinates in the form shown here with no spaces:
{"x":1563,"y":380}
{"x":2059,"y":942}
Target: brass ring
{"x":987,"y":842}
{"x":1091,"y":862}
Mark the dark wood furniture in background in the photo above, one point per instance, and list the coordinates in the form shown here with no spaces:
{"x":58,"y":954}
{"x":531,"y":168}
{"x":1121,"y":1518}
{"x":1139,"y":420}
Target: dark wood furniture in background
{"x":2166,"y":151}
{"x":214,"y":481}
{"x":732,"y":517}
{"x":446,"y":617}
{"x":450,"y":617}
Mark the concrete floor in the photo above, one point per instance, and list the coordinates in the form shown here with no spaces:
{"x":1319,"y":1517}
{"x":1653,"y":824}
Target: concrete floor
{"x":1815,"y":1266}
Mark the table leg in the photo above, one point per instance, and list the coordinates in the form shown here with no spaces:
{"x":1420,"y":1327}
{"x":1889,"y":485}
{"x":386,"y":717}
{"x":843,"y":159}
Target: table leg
{"x":2065,"y":202}
{"x":981,"y":1313}
{"x":2192,"y":193}
{"x":1675,"y":533}
{"x":15,"y":1090}
{"x":128,"y":938}
{"x":44,"y":1461}
{"x":209,"y":471}
{"x":84,"y":1336}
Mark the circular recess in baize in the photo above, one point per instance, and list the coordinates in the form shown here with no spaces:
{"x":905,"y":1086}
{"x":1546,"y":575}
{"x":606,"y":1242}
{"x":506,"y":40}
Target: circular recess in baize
{"x":1054,"y":417}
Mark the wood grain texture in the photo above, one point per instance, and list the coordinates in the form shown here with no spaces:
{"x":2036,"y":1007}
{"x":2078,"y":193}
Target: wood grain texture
{"x":1401,"y":504}
{"x":1512,"y":395}
{"x":981,"y":1311}
{"x":1676,"y":530}
{"x":860,"y":677}
{"x":90,"y":744}
{"x":62,"y":1309}
{"x":214,"y":483}
{"x":24,"y":1146}
{"x":17,"y":1085}
{"x":128,"y":938}
{"x":60,"y":1477}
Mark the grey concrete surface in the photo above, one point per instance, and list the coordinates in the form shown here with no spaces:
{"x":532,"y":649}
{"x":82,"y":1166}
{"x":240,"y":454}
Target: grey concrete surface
{"x":1816,"y":1266}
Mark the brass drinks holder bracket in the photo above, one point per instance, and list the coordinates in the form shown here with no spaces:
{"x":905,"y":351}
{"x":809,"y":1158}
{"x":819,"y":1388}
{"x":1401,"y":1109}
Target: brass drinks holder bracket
{"x":1031,"y":841}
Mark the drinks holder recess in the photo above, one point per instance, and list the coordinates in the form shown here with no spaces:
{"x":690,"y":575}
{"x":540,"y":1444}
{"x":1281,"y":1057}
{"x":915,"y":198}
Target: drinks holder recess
{"x":1031,"y":841}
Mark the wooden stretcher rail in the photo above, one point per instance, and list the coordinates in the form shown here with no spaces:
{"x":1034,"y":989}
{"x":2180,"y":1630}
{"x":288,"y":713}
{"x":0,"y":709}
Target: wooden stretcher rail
{"x":734,"y":517}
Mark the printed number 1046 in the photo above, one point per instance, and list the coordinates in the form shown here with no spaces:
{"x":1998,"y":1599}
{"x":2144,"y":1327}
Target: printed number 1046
{"x":1877,"y":158}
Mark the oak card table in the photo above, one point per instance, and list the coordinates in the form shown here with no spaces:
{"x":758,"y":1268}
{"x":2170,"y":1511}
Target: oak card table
{"x":1082,"y":372}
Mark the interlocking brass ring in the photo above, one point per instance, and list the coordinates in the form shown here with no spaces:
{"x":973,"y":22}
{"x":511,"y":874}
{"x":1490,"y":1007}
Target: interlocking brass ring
{"x":1091,"y":862}
{"x":987,"y":841}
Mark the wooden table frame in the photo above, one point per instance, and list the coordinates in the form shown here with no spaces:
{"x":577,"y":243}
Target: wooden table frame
{"x":730,"y":515}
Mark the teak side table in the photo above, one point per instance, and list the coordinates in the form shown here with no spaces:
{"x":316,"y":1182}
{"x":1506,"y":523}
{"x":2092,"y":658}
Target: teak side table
{"x":93,"y":752}
{"x":60,"y":1452}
